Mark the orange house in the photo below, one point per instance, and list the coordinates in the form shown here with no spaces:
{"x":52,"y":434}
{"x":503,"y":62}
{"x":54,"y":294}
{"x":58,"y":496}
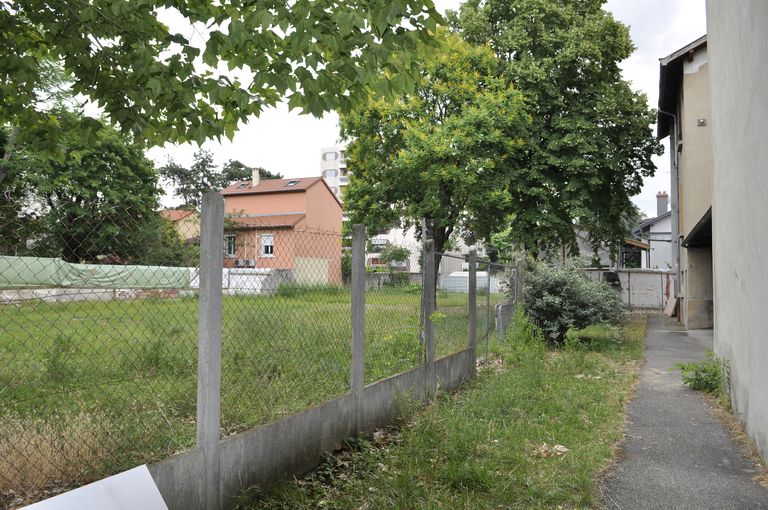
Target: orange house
{"x":292,"y":225}
{"x":186,"y":223}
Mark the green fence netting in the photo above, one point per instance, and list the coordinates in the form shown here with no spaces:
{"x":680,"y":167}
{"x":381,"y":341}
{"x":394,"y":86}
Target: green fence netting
{"x":27,"y":272}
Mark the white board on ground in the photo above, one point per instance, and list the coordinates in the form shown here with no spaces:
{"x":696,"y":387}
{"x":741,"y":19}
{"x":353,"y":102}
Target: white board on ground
{"x":130,"y":490}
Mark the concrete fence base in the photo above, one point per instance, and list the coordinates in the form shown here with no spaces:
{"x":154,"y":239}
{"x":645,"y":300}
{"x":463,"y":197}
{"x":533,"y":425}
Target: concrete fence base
{"x":295,"y":445}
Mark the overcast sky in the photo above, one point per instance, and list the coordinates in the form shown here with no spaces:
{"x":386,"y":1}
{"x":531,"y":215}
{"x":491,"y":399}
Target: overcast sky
{"x":289,"y":143}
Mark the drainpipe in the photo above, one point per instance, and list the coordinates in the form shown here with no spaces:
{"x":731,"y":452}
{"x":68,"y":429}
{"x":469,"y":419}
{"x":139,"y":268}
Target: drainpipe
{"x":674,"y":201}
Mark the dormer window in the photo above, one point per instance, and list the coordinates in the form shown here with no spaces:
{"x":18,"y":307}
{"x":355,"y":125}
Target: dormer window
{"x":291,"y":183}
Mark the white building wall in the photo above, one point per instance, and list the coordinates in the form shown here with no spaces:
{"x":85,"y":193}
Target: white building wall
{"x":738,"y":45}
{"x":333,"y":168}
{"x":661,"y":244}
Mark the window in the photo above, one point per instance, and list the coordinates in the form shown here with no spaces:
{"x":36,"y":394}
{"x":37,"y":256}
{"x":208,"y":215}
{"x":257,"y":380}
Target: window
{"x":330,"y":156}
{"x":335,"y":190}
{"x":330,"y":173}
{"x":291,"y":183}
{"x":229,"y":245}
{"x":267,"y":245}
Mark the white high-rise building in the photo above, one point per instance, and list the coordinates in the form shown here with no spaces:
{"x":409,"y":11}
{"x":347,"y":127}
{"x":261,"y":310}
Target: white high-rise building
{"x":333,"y":164}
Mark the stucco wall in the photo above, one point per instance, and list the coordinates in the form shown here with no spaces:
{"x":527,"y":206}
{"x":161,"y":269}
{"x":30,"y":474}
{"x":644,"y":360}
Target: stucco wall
{"x":696,"y":156}
{"x":738,"y":43}
{"x":323,"y":211}
{"x":661,"y":245}
{"x":695,"y":191}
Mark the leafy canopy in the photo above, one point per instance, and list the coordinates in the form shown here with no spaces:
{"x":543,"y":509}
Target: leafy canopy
{"x":100,"y":202}
{"x":590,"y":142}
{"x":447,"y":152}
{"x":393,"y":254}
{"x":191,"y":183}
{"x":227,"y":61}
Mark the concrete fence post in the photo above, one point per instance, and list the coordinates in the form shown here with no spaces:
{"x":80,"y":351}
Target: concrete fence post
{"x":209,"y":346}
{"x":357,"y":368}
{"x":472,"y":303}
{"x":429,"y":309}
{"x":487,"y":309}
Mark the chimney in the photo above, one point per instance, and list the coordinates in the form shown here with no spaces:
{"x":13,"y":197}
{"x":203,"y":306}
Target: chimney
{"x":255,"y":178}
{"x":661,"y":202}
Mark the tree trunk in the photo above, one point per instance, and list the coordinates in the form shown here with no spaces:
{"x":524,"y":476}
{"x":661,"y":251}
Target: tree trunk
{"x":440,"y":237}
{"x":8,"y":149}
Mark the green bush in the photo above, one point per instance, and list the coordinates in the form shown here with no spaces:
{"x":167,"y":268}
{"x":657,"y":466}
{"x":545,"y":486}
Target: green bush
{"x":399,"y":279}
{"x":291,"y":290}
{"x":346,"y":267}
{"x":708,"y":375}
{"x":557,"y":299}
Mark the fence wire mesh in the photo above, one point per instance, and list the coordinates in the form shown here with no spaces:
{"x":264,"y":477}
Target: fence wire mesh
{"x":496,"y":284}
{"x":286,"y":319}
{"x":99,"y":310}
{"x":98,"y":339}
{"x":393,"y":312}
{"x":451,"y":317}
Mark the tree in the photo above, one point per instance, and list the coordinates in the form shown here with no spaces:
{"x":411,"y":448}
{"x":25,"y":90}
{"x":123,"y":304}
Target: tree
{"x":393,"y":255}
{"x":590,"y":143}
{"x":448,"y":152}
{"x":162,"y":84}
{"x":191,"y":183}
{"x":99,"y":203}
{"x":233,"y":170}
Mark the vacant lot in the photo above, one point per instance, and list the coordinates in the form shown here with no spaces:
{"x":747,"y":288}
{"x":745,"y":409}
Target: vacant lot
{"x":88,"y":388}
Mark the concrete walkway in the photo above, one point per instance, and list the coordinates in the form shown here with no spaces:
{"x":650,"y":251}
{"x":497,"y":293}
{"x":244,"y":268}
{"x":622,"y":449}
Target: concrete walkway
{"x":677,"y":455}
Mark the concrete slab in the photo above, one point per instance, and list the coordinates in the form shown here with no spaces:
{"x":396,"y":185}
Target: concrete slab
{"x":677,"y":454}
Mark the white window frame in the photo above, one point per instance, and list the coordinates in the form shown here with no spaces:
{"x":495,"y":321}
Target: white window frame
{"x":227,"y":246}
{"x":263,"y":245}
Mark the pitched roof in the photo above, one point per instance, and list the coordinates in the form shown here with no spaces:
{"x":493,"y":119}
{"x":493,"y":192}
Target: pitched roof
{"x":651,"y":221}
{"x":265,"y":221}
{"x":175,"y":215}
{"x":294,"y":185}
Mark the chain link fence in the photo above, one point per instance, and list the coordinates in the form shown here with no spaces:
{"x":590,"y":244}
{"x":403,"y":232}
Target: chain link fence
{"x":394,"y":317}
{"x":495,"y":285}
{"x":99,"y":311}
{"x":98,"y":341}
{"x":286,"y":320}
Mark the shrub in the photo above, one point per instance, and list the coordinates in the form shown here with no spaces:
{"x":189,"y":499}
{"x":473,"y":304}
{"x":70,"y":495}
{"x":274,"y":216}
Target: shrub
{"x":292,"y":290}
{"x":557,"y":299}
{"x":399,"y":279}
{"x":708,"y":375}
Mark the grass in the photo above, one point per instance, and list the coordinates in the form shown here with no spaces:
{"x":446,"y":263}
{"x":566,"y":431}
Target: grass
{"x":97,"y":387}
{"x":491,"y":445}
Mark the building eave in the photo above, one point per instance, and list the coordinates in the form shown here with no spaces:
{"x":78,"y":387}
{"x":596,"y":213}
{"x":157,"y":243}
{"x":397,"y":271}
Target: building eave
{"x":651,"y":221}
{"x":700,"y":235}
{"x":670,"y":79}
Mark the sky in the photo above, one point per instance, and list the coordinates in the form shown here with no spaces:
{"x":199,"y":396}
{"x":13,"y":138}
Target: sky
{"x":289,"y":143}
